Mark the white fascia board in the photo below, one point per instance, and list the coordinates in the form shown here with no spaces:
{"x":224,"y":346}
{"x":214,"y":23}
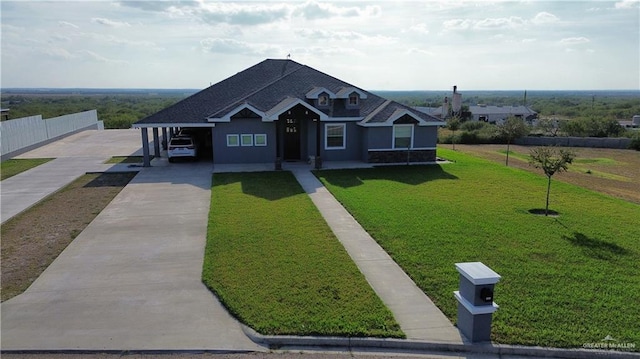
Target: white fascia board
{"x":434,"y":123}
{"x":316,"y":91}
{"x":227,"y":117}
{"x":389,"y":124}
{"x":173,"y":124}
{"x":401,"y":112}
{"x":343,"y":119}
{"x":286,"y":104}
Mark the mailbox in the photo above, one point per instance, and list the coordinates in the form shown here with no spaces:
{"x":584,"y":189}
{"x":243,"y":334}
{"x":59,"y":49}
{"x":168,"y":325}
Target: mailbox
{"x":475,"y":300}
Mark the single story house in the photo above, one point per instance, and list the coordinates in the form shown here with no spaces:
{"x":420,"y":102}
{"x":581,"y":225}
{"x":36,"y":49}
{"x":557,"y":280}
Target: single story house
{"x":498,"y":114}
{"x":280,"y":110}
{"x":489,"y":113}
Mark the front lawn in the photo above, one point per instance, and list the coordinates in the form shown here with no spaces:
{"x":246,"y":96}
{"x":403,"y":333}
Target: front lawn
{"x":566,"y":281}
{"x":14,"y":166}
{"x":275,"y":264}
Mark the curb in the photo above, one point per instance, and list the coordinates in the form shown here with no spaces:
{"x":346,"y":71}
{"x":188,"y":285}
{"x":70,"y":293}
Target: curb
{"x":279,"y":341}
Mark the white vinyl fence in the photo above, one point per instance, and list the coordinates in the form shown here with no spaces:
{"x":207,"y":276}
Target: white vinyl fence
{"x":23,"y":132}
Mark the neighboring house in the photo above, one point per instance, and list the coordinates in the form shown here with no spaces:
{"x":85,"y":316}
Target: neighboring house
{"x":634,"y":123}
{"x":490,"y":114}
{"x":280,"y":110}
{"x":498,"y":114}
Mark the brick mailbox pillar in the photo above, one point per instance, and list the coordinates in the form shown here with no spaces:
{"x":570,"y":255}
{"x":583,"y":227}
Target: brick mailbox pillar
{"x":475,"y":300}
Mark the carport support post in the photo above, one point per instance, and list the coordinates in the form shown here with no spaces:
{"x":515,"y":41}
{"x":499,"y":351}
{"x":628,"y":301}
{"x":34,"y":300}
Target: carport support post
{"x":145,"y":147}
{"x":156,"y":143}
{"x":164,"y":138}
{"x":318,"y":160}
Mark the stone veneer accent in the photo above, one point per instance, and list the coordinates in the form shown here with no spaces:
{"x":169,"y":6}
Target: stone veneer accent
{"x":400,"y":156}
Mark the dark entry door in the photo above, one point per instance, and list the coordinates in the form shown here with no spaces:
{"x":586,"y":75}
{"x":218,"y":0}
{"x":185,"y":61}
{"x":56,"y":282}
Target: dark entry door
{"x":291,"y":139}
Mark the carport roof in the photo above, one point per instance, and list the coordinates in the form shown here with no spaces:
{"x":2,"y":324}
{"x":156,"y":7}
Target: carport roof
{"x":264,"y":86}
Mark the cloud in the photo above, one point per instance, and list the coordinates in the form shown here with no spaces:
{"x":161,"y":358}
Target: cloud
{"x":330,"y":35}
{"x":242,"y":14}
{"x":457,"y":24}
{"x":325,"y":51}
{"x":116,"y":40}
{"x":570,"y":41}
{"x":420,"y":28}
{"x":232,"y":46}
{"x":500,"y":23}
{"x":544,"y":18}
{"x":68,"y":24}
{"x":58,"y":53}
{"x":159,"y":6}
{"x":99,"y":58}
{"x":511,"y":22}
{"x":627,"y":4}
{"x":313,"y":10}
{"x":60,"y":38}
{"x":110,"y":23}
{"x":416,"y":51}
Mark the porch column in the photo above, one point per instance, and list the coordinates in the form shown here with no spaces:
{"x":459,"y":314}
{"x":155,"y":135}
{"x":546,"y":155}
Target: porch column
{"x":164,"y":138}
{"x":145,"y":147}
{"x":318,"y":160}
{"x":156,"y":143}
{"x":278,"y":164}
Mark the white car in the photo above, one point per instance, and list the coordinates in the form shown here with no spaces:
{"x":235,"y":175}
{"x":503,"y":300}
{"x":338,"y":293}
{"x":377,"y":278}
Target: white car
{"x":182,"y":147}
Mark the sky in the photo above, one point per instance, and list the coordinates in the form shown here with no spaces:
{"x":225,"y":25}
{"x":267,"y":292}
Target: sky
{"x":375,"y":45}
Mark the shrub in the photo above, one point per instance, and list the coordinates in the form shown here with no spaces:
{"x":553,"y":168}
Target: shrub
{"x":635,"y":142}
{"x":473,"y":125}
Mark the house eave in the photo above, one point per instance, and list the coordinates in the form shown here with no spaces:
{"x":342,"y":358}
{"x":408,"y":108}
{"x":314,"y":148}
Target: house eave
{"x":172,"y":124}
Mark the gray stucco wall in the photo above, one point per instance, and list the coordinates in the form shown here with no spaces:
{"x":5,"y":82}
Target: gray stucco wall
{"x":425,"y":136}
{"x":352,"y":152}
{"x":379,"y":137}
{"x":244,"y":154}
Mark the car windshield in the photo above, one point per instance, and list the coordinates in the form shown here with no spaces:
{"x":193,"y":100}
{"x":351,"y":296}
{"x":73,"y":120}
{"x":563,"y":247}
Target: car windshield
{"x":180,"y":142}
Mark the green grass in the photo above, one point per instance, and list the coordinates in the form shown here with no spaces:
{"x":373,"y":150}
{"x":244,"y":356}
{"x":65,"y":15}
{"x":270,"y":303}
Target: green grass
{"x":578,"y":165}
{"x":127,"y":159}
{"x":275,"y":264}
{"x":566,"y":281}
{"x":14,"y":166}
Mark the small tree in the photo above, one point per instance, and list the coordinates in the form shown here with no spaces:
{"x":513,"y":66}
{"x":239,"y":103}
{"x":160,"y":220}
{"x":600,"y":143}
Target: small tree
{"x":453,"y":124}
{"x":511,"y":129}
{"x":550,"y":160}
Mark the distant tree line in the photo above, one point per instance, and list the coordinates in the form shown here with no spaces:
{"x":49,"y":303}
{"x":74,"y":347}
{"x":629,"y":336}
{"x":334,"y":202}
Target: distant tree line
{"x":117,"y":111}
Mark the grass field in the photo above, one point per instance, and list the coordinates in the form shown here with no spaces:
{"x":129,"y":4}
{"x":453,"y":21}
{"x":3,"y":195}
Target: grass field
{"x":566,"y":281}
{"x":12,"y":167}
{"x":275,"y":264}
{"x":611,"y":171}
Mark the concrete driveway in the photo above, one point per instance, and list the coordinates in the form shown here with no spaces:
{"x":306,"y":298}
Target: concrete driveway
{"x":131,"y":279}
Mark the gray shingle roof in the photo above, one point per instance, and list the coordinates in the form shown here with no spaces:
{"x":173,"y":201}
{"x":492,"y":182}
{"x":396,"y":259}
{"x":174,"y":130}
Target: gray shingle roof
{"x":264,"y":86}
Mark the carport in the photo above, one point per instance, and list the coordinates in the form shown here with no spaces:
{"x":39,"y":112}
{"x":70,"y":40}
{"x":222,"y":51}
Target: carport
{"x":204,"y":130}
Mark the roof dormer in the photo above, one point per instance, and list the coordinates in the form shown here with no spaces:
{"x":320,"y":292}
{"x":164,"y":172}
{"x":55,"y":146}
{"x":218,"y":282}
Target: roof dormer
{"x":322,"y":96}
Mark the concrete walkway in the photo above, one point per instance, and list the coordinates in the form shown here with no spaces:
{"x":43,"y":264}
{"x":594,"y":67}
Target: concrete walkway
{"x":418,"y":317}
{"x":131,"y":279}
{"x":73,"y":156}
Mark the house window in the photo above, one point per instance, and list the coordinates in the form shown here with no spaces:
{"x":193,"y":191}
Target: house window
{"x":402,"y":136}
{"x":233,"y":140}
{"x":335,"y":136}
{"x":353,"y":99}
{"x":260,"y":139}
{"x":246,"y":139}
{"x":323,"y":100}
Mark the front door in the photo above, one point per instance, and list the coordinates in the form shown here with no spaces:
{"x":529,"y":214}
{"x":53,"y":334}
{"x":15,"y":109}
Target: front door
{"x":291,"y":139}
